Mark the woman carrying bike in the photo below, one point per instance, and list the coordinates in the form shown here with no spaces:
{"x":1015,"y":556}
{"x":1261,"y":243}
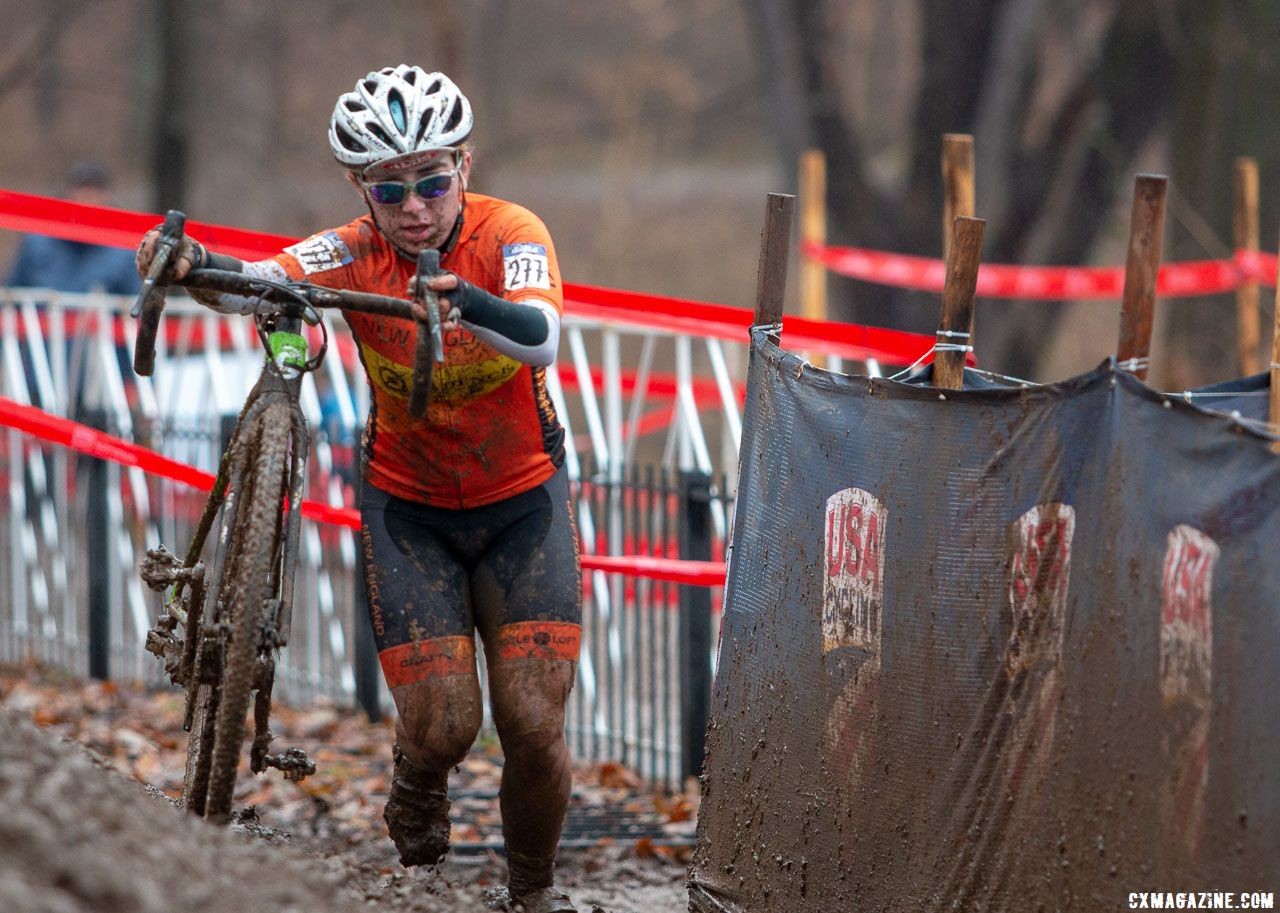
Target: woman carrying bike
{"x":466,"y":522}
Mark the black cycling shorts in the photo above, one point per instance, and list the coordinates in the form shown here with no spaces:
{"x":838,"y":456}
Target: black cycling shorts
{"x":435,"y":576}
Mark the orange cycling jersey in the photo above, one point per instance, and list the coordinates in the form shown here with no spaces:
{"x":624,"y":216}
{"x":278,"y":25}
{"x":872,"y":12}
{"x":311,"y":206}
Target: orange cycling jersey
{"x":491,"y":431}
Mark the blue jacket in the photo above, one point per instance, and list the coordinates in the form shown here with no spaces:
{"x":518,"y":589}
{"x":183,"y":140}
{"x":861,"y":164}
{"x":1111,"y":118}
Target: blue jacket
{"x":73,"y":266}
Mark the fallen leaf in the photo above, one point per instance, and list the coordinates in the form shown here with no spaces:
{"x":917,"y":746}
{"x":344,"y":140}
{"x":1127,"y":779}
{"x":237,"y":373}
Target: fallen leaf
{"x":613,"y":775}
{"x":645,"y":849}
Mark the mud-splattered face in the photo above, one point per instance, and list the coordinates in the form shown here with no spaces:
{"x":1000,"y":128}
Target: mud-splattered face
{"x":416,"y":224}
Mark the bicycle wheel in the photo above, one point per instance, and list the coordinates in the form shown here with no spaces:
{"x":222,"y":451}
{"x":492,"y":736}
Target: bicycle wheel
{"x":195,"y":784}
{"x":249,"y":569}
{"x":203,"y":686}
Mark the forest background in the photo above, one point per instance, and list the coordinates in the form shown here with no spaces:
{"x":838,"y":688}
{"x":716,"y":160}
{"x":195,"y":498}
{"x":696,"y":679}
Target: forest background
{"x":646,"y":133}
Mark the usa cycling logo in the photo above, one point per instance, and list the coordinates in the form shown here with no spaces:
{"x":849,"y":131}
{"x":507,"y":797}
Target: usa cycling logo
{"x":853,"y":589}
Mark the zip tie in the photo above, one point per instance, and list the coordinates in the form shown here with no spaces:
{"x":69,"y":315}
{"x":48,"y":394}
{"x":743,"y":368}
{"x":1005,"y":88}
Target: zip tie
{"x":952,"y":334}
{"x":775,"y":328}
{"x":952,"y":347}
{"x":1275,"y":366}
{"x":800,"y":368}
{"x":1133,"y":364}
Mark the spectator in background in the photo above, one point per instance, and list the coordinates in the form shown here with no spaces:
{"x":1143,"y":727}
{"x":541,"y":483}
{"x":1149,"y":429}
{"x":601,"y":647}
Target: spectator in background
{"x":75,"y":266}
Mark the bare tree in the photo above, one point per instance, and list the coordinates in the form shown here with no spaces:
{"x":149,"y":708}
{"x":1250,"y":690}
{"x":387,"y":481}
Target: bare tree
{"x":163,"y":96}
{"x":39,"y":54}
{"x":1063,"y":99}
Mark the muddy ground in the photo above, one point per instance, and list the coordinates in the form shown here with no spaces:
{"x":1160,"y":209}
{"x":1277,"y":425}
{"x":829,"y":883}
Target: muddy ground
{"x":88,"y":821}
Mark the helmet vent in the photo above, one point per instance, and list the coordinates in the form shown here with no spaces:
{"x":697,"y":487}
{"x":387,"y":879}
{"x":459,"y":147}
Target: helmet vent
{"x":433,"y":88}
{"x":455,"y":115}
{"x":411,"y":76}
{"x":382,"y":135}
{"x":395,"y":104}
{"x":350,"y":142}
{"x":370,"y":86}
{"x":423,"y":125}
{"x":354,"y":105}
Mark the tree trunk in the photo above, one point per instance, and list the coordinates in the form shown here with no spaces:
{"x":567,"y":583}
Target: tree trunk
{"x":167,"y":102}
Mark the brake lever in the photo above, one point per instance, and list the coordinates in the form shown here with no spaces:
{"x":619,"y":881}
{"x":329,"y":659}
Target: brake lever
{"x":150,"y":302}
{"x":166,"y":245}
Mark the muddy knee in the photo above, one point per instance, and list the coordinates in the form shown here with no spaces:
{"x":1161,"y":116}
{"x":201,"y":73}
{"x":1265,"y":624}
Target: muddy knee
{"x":438,"y":720}
{"x":528,"y":706}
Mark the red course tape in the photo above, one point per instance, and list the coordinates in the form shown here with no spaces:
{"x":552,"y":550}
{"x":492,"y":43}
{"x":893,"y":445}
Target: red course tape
{"x":1047,"y":283}
{"x":123,"y":228}
{"x":92,"y":442}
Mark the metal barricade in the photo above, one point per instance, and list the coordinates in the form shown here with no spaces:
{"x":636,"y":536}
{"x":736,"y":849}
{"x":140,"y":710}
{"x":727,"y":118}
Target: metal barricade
{"x":72,"y":528}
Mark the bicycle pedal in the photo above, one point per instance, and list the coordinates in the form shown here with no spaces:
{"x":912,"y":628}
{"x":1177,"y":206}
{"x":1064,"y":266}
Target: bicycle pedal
{"x":159,"y":568}
{"x":293,"y":763}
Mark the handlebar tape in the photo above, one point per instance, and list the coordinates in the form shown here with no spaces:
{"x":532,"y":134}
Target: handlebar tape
{"x":150,"y":303}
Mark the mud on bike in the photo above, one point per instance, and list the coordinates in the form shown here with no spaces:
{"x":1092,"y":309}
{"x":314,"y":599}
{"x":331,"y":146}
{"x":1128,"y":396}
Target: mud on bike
{"x":224,"y":622}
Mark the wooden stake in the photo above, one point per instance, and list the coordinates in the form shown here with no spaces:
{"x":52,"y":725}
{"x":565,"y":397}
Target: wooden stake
{"x":957,"y":183}
{"x":775,"y":242}
{"x":1146,"y":233}
{"x":957,"y":301}
{"x":813,"y":229}
{"x":1245,"y":224}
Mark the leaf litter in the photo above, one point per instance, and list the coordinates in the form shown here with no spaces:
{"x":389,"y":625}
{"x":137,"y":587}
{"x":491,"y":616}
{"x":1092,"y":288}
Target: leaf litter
{"x":334,"y":817}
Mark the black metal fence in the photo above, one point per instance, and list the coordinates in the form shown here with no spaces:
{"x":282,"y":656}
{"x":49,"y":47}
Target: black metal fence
{"x":643,"y":690}
{"x":647,"y":661}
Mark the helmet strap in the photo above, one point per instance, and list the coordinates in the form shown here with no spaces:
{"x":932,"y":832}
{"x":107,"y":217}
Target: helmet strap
{"x":456,"y":231}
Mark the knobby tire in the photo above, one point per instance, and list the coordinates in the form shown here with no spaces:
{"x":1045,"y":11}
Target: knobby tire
{"x":250,"y":569}
{"x":201,"y":693}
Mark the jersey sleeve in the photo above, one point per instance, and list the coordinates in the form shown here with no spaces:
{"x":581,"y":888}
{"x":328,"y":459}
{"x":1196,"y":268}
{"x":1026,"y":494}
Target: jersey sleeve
{"x":326,"y":258}
{"x":530,"y":271}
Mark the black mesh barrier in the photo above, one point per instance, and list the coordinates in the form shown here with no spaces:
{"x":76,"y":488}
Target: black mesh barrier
{"x":994,"y":649}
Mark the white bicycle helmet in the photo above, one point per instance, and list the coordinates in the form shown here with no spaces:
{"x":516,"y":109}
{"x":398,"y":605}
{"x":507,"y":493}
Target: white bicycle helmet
{"x":395,"y":114}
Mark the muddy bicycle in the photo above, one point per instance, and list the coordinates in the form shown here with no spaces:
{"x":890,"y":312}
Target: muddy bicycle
{"x":224,"y":623}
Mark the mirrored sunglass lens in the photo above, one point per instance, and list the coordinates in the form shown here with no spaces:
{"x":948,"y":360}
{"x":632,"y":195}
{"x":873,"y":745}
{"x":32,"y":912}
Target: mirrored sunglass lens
{"x":388,"y":194}
{"x":437,"y":185}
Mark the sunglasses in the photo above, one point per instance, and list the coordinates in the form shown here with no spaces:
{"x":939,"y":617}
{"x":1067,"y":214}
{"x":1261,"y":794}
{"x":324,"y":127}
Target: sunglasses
{"x":392,"y":193}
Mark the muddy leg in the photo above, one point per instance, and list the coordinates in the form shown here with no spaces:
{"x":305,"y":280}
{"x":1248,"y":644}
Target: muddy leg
{"x":438,"y":720}
{"x":528,"y":710}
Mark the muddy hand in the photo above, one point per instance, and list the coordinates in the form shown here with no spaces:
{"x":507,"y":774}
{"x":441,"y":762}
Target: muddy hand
{"x":189,"y":254}
{"x":441,"y":285}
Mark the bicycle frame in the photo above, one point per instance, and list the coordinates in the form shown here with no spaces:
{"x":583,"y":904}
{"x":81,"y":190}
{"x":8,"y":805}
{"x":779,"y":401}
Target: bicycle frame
{"x":233,"y":650}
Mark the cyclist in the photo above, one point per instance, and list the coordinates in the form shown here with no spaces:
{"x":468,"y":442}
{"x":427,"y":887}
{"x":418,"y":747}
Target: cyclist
{"x":465,"y":514}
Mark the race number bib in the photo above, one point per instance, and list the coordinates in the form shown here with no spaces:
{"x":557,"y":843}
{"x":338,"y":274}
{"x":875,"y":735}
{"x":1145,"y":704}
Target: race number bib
{"x":525,"y":266}
{"x":320,"y":252}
